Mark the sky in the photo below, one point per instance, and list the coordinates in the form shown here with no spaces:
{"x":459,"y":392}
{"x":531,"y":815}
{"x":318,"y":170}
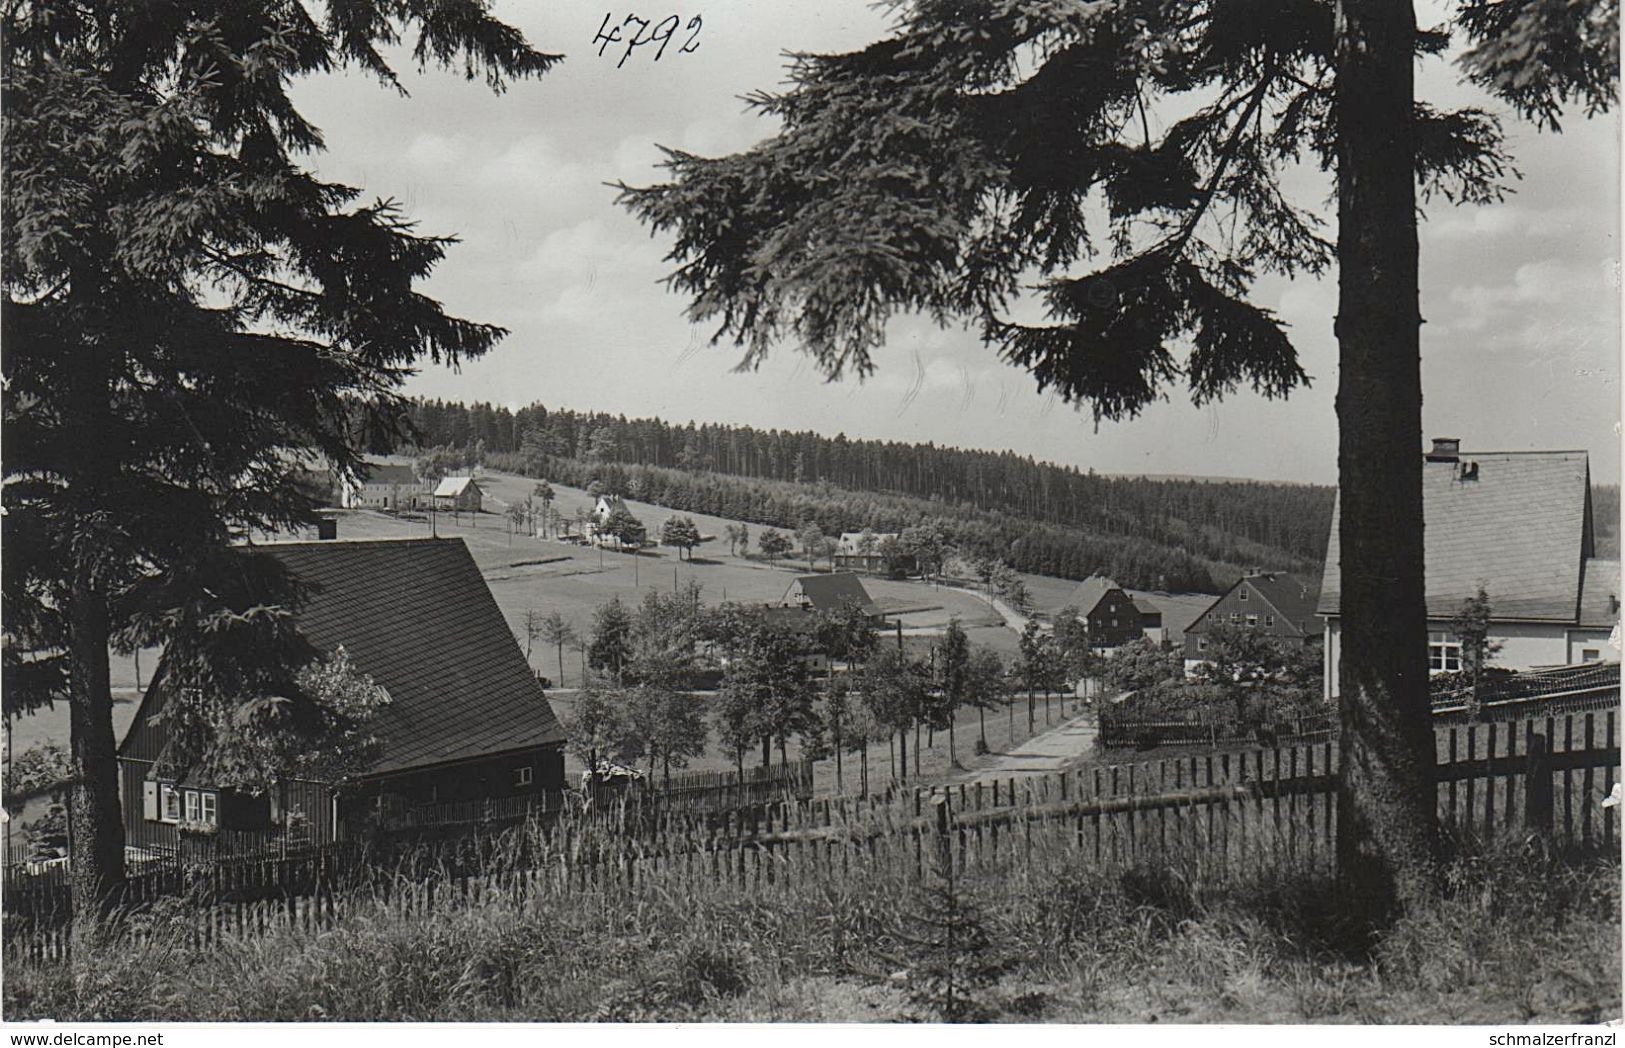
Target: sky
{"x":1521,"y":299}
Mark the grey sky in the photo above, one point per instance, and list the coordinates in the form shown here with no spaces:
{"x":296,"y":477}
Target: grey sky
{"x":1520,"y":348}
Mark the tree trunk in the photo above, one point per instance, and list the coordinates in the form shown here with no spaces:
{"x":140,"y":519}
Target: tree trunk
{"x":837,"y":765}
{"x":902,"y":737}
{"x":953,"y":758}
{"x":981,"y":720}
{"x":916,"y":749}
{"x":767,"y":751}
{"x":1387,"y":831}
{"x":96,"y":828}
{"x":863,"y":769}
{"x":561,"y":665}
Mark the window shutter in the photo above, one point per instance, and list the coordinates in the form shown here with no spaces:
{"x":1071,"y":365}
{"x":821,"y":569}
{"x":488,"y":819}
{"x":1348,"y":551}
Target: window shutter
{"x":149,"y":800}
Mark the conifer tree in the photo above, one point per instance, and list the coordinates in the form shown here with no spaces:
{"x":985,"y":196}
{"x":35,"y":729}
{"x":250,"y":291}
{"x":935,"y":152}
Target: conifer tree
{"x":936,"y":170}
{"x":189,"y":313}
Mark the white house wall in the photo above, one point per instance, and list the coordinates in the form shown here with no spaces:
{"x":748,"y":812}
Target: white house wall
{"x":1524,"y":645}
{"x":1583,"y":640}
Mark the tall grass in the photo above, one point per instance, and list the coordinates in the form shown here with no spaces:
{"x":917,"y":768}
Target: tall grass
{"x":1520,"y":933}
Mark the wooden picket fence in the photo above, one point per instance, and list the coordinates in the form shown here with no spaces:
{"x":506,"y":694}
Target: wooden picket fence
{"x":1126,"y":734}
{"x":1215,"y":816}
{"x":1589,"y":687}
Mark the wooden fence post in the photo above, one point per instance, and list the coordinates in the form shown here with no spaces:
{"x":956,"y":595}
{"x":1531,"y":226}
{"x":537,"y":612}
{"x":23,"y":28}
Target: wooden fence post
{"x":945,"y":855}
{"x":1537,"y":783}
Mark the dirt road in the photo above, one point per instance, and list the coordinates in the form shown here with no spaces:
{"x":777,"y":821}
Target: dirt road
{"x":1042,"y":754}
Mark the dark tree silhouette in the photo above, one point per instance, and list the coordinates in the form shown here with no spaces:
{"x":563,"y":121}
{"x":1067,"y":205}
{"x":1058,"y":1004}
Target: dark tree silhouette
{"x":185,"y":304}
{"x":935,"y":169}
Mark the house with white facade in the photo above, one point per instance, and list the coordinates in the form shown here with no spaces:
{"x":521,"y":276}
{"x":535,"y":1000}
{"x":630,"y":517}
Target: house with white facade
{"x":1519,"y":525}
{"x":386,"y":486}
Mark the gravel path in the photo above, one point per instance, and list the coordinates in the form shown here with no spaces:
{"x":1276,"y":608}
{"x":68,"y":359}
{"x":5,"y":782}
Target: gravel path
{"x":1042,"y":754}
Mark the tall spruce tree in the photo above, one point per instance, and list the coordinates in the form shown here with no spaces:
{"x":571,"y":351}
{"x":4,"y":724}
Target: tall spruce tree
{"x":189,"y":316}
{"x":937,"y":169}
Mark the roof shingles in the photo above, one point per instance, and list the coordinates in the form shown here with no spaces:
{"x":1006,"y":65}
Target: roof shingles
{"x":1518,"y":528}
{"x":416,"y":616}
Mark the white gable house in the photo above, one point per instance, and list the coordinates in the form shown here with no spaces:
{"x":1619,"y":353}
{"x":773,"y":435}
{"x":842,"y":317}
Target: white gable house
{"x":1519,"y":525}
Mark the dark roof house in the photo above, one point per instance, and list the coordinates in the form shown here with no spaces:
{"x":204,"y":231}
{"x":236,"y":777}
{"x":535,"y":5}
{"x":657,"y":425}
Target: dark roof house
{"x":1113,"y":616}
{"x":829,"y":593}
{"x":417,"y":617}
{"x":1276,"y":603}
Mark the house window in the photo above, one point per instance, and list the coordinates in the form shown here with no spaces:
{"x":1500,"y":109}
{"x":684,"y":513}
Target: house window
{"x":522,"y":776}
{"x":1252,"y":620}
{"x":211,"y":809}
{"x":1590,"y":655}
{"x":1269,"y":620}
{"x":194,"y":806}
{"x":1201,"y":643}
{"x":1242,"y":594}
{"x":169,"y":809}
{"x":1444,"y":653}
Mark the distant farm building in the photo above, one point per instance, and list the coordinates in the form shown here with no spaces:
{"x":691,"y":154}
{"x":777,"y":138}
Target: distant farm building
{"x":460,"y":494}
{"x":385,"y":486}
{"x":1277,"y":604}
{"x":860,"y":550}
{"x":829,"y":593}
{"x":466,"y":720}
{"x":1114,"y":618}
{"x":1519,"y":525}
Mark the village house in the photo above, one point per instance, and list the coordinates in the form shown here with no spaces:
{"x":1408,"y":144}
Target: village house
{"x":1519,"y":525}
{"x":829,"y":593}
{"x":386,"y":486}
{"x":860,"y":550}
{"x":604,"y":508}
{"x":1113,"y":617}
{"x":466,"y":720}
{"x":1277,"y":604}
{"x":459,"y":494}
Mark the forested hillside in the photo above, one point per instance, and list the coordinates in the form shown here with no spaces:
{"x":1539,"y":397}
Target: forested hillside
{"x":1040,"y":517}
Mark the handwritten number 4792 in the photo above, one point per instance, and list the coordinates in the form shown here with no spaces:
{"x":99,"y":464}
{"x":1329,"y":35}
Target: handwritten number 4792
{"x":647,"y":32}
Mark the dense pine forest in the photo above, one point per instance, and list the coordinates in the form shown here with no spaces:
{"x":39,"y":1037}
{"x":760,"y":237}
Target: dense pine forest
{"x":1039,"y":517}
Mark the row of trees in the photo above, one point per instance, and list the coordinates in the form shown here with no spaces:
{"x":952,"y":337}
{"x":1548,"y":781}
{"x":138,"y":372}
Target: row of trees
{"x":645,"y":664}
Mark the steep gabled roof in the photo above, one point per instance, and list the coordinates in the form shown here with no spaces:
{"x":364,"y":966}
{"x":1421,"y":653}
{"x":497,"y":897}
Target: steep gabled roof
{"x":1089,"y":593}
{"x":1599,"y":594}
{"x":417,"y":617}
{"x":390,"y":473}
{"x":1290,"y":595}
{"x":1519,"y":526}
{"x":453,"y":486}
{"x":829,"y":592}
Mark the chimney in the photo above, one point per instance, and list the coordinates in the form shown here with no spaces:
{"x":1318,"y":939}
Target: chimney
{"x":1445,"y":449}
